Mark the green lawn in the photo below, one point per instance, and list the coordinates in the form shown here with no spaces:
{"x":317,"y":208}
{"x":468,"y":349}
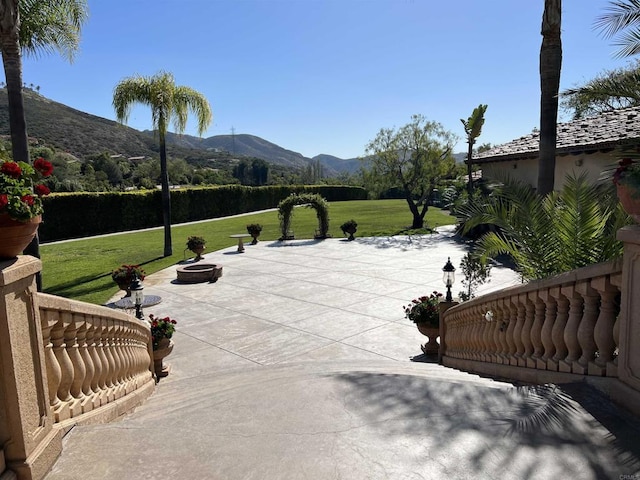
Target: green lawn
{"x":81,"y":269}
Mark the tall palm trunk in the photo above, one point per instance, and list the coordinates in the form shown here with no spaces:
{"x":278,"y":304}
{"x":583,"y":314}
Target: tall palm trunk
{"x":550,"y":65}
{"x":12,"y":63}
{"x":166,"y":195}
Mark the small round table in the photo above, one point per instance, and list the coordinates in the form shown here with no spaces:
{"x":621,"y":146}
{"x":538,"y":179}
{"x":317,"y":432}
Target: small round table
{"x":240,"y":236}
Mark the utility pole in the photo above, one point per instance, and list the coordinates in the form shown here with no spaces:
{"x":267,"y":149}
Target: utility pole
{"x":233,"y":139}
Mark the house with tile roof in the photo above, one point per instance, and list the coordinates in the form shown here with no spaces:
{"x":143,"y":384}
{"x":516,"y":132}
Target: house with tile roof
{"x":589,"y":144}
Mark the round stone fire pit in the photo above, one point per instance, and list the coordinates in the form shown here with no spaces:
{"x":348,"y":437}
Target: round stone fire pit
{"x":199,"y":272}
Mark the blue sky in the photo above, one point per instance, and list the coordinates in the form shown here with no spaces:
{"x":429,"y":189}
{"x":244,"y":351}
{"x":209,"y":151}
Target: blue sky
{"x":323,"y":76}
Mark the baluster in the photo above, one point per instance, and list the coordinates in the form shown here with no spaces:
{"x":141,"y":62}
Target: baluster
{"x":119,"y":359}
{"x":536,"y":330}
{"x":107,"y":339}
{"x":525,"y":336}
{"x":101,"y":331}
{"x":502,"y":318}
{"x":587,"y":326}
{"x":612,"y":367}
{"x":83,"y":348}
{"x":512,"y":320}
{"x":576,"y":304}
{"x":66,"y":367}
{"x":546,"y":334}
{"x":452,"y":336}
{"x":517,"y":330}
{"x":460,"y":340}
{"x":603,"y":330}
{"x":557,"y":332}
{"x":48,"y":318}
{"x":128,"y":359}
{"x":463,"y":338}
{"x":490,"y":355}
{"x":126,"y":351}
{"x":71,"y":341}
{"x":471,"y":341}
{"x":93,"y":341}
{"x":480,"y":326}
{"x":483,"y":328}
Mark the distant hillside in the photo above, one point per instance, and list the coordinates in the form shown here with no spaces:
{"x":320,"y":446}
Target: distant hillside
{"x":242,"y":144}
{"x":82,"y":134}
{"x":73,"y":131}
{"x":351,"y":165}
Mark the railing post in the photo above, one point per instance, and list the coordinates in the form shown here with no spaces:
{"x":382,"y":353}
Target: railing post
{"x":28,"y":439}
{"x":443,"y":307}
{"x":629,"y":353}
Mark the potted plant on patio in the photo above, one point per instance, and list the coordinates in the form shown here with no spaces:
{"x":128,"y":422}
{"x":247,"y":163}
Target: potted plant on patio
{"x":162,"y":329}
{"x":124,"y":275}
{"x":21,"y":203}
{"x":627,"y":181}
{"x":197,"y":245}
{"x":425,"y":313}
{"x":254,"y":230}
{"x":350,"y":227}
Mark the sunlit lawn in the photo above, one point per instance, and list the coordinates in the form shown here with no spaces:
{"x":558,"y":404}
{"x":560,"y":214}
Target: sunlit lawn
{"x":82,"y":269}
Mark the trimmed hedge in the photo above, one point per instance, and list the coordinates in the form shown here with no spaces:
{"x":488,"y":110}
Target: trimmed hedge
{"x":77,"y":215}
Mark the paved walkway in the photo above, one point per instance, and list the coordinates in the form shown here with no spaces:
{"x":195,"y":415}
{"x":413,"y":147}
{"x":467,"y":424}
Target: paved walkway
{"x":296,"y":365}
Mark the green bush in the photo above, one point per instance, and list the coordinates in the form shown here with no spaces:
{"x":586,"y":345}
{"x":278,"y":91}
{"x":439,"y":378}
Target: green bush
{"x":77,"y":215}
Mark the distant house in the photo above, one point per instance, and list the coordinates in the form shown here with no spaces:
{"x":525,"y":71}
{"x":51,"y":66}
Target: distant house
{"x":589,"y":144}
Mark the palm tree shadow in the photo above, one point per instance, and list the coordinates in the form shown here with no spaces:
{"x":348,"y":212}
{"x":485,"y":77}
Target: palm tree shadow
{"x":526,"y":423}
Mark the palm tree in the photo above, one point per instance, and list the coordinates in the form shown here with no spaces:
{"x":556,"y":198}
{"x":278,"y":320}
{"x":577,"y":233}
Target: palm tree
{"x":621,"y":15}
{"x":36,"y":27}
{"x":608,"y":91}
{"x":168,"y":102}
{"x":550,"y":65}
{"x":550,"y":235}
{"x":473,"y":129}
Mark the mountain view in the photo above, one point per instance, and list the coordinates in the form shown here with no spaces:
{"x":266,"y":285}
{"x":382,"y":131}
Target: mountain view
{"x":82,"y":134}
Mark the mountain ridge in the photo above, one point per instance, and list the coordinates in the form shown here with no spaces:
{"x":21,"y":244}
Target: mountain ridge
{"x":83,"y":134}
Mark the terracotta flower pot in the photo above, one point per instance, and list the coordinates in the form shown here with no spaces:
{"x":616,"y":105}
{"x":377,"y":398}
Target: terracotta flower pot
{"x":15,"y":235}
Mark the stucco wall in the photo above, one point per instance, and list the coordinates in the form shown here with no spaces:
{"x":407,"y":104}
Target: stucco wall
{"x":527,"y":170}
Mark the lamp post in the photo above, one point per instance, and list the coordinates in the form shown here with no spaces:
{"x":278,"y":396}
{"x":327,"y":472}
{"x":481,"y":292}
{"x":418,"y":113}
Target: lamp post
{"x":137,"y":292}
{"x":449,"y":278}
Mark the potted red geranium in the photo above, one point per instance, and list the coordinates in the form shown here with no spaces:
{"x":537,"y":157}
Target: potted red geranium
{"x":21,"y":193}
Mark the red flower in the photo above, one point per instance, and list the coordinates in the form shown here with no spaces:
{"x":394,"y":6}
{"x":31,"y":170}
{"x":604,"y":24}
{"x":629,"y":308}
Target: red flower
{"x":4,"y":200}
{"x":28,"y":199}
{"x":41,"y":190}
{"x":44,"y":167}
{"x":11,"y":169}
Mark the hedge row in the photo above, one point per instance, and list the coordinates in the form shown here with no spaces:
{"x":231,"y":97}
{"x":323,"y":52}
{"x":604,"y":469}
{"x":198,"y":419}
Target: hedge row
{"x":77,"y":215}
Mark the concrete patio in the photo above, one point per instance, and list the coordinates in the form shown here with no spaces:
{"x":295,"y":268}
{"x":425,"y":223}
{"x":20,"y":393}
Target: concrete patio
{"x":296,"y":364}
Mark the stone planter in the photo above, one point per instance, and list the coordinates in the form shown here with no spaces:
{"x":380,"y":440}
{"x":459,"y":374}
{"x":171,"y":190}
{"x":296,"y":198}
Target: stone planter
{"x":198,"y":251}
{"x":432,"y":346}
{"x":351,"y":231}
{"x":165,"y":347}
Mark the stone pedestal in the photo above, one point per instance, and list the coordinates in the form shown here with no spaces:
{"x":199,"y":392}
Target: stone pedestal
{"x":629,"y":337}
{"x":30,"y":443}
{"x":443,"y":307}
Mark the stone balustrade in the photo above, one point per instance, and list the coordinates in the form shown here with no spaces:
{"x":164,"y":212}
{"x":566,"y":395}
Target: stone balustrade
{"x":567,"y":323}
{"x":62,"y":363}
{"x":94,"y":355}
{"x":581,"y":325}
